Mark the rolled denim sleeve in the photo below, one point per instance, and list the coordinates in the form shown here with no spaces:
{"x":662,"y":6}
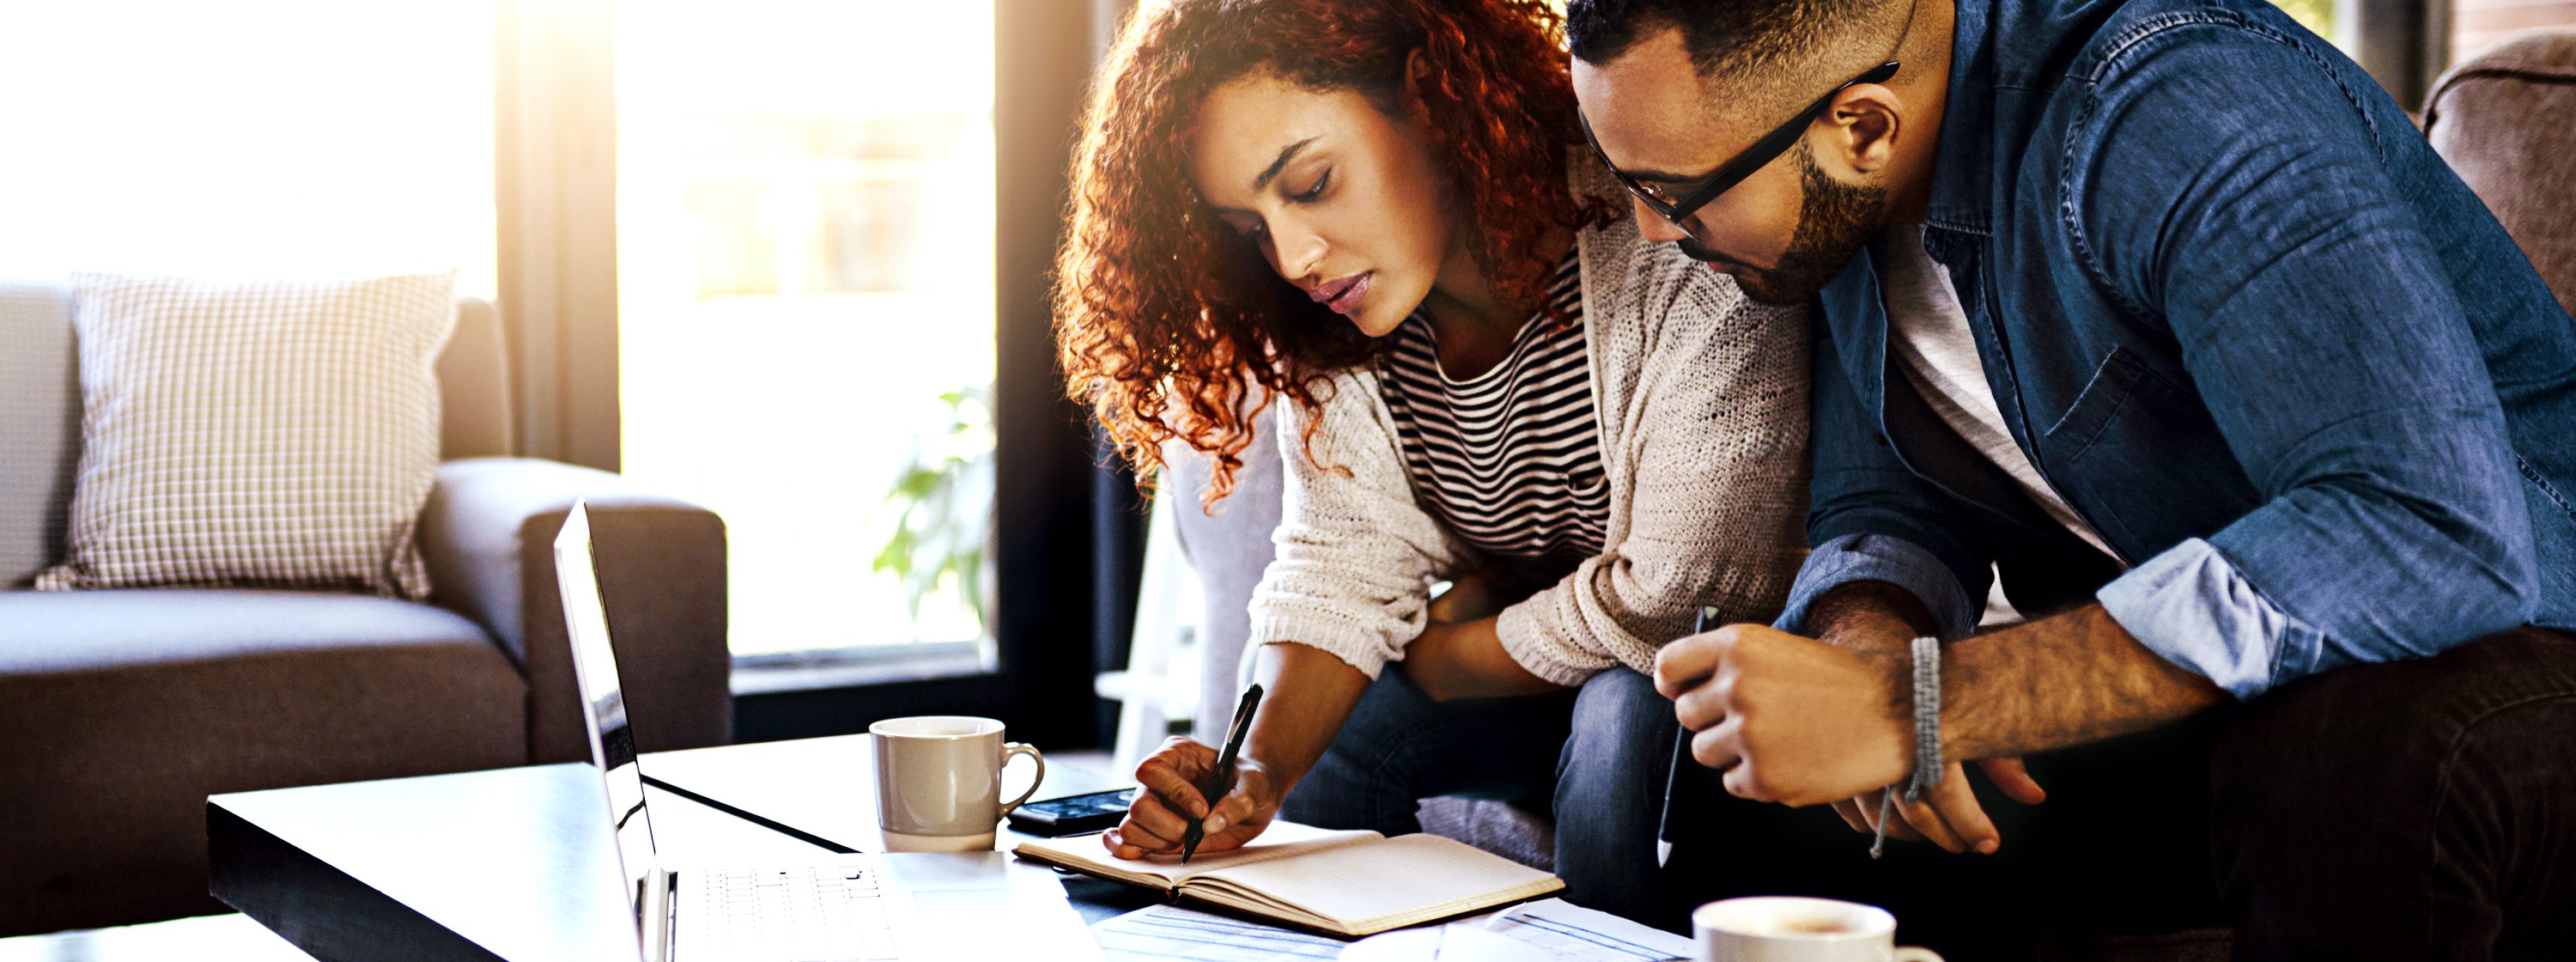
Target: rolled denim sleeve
{"x":2192,"y":607}
{"x":1871,"y":519}
{"x":2323,"y":336}
{"x":1878,"y":557}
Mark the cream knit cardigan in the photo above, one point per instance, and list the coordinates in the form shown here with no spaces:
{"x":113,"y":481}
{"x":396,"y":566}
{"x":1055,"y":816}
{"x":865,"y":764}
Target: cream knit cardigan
{"x":1701,"y":397}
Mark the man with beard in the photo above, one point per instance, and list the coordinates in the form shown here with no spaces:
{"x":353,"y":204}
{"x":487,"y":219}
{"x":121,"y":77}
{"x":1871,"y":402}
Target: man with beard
{"x":2164,"y":311}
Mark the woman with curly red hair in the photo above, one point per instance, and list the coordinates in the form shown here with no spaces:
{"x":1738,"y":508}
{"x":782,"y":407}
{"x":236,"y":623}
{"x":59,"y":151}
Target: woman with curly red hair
{"x":1373,"y":221}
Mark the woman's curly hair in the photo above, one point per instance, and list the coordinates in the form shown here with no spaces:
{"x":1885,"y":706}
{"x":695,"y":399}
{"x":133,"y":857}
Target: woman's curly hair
{"x":1162,"y":312}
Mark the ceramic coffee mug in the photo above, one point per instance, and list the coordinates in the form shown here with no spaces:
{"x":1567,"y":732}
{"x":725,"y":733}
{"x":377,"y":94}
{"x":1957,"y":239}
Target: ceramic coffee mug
{"x":1785,"y":929}
{"x":939,"y":781}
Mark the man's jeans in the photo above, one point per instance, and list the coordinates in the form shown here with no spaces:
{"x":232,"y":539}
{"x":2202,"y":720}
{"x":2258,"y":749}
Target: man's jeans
{"x":1599,"y":754}
{"x":2422,"y":809}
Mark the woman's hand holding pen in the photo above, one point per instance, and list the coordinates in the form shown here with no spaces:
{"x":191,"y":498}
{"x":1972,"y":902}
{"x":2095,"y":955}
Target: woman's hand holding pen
{"x":1162,"y":812}
{"x":1279,"y":748}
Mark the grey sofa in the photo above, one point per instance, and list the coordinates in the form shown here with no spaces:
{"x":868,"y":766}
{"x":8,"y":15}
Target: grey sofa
{"x":120,"y":711}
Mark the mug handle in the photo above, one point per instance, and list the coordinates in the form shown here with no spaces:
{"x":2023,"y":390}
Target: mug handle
{"x":1021,"y":748}
{"x":1915,"y":953}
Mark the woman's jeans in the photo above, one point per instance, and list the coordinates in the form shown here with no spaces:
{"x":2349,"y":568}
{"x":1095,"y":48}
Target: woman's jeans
{"x":1597,"y":756}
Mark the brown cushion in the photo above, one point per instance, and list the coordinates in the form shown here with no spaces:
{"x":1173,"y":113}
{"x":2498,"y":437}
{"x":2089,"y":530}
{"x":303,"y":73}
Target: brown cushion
{"x":120,"y":711}
{"x":2506,"y":120}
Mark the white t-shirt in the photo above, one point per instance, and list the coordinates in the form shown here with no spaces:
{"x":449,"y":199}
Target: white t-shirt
{"x":1929,"y":337}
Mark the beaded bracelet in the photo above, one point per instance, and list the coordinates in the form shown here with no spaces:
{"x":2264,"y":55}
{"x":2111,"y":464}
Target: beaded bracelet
{"x":1927,"y":737}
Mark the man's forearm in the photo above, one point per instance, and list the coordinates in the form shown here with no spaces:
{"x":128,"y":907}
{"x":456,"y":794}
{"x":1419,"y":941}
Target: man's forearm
{"x":2066,"y":680}
{"x":1869,"y":616}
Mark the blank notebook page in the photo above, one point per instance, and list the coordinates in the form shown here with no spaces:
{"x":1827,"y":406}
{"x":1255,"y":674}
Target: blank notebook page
{"x":1283,"y":839}
{"x":1399,"y":875}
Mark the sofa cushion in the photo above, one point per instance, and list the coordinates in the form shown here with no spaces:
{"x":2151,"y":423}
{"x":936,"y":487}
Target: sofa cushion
{"x":39,"y":426}
{"x":45,"y":632}
{"x":272,"y":434}
{"x":40,"y":413}
{"x":120,"y":711}
{"x":2501,"y":119}
{"x":474,"y":418}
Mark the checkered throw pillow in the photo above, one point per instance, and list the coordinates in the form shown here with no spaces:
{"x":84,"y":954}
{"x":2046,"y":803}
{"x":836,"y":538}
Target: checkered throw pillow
{"x":268,"y":434}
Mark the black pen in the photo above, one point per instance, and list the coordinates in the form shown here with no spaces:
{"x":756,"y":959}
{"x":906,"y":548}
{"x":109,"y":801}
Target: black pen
{"x":1221,"y":777}
{"x":1673,"y":774}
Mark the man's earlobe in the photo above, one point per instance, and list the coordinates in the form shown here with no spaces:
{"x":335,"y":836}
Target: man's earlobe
{"x":1868,"y":131}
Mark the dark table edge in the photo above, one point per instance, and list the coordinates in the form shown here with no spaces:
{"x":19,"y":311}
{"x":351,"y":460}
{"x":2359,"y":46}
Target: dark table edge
{"x":753,"y":817}
{"x":329,"y":914}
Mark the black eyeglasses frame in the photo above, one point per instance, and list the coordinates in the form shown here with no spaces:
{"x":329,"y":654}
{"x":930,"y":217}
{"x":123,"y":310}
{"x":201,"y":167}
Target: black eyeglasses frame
{"x":1763,"y":151}
{"x":1733,"y":172}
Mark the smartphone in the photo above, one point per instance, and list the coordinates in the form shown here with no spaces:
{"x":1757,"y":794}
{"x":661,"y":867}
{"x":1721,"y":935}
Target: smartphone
{"x":1073,"y":814}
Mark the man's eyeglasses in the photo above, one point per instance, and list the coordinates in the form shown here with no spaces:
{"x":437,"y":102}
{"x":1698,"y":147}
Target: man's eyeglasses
{"x":1678,"y":201}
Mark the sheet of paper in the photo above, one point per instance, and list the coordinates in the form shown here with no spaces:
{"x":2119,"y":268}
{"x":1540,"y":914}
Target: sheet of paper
{"x":1164,"y":932}
{"x":1574,"y":932}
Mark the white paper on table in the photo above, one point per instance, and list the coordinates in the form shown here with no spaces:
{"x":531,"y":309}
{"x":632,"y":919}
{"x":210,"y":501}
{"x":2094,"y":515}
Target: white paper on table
{"x":1171,"y":932}
{"x":1577,"y":933}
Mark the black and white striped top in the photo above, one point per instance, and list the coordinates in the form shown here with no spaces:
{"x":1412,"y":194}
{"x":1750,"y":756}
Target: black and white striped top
{"x":1510,"y":459}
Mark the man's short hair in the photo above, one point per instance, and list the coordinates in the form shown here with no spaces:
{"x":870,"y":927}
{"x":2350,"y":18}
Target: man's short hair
{"x":1756,"y":46}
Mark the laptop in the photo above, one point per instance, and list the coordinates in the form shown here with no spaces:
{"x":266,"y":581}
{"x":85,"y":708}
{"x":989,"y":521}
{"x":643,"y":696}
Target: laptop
{"x":853,"y":907}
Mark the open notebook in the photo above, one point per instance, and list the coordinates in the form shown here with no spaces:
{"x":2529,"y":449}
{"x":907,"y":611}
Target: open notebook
{"x":1343,"y":883}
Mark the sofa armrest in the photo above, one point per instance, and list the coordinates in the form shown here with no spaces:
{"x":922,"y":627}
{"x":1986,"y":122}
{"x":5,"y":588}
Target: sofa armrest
{"x":488,"y":535}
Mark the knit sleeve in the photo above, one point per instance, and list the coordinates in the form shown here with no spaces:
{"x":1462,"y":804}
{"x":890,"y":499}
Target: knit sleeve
{"x":1716,"y":445}
{"x":1355,"y":552}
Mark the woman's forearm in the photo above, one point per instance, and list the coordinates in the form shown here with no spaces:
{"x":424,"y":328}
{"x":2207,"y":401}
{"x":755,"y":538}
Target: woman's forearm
{"x":1467,"y":660}
{"x":1307,"y":694}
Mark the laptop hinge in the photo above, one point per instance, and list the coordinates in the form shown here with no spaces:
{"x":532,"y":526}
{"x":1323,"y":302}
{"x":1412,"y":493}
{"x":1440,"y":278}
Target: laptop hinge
{"x":659,"y":914}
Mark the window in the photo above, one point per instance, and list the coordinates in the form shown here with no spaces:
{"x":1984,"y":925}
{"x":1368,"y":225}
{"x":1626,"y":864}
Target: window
{"x":256,"y":139}
{"x":2316,"y":15}
{"x":806,"y":296}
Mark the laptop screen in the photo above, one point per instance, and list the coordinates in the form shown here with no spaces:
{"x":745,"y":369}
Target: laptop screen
{"x":612,"y":740}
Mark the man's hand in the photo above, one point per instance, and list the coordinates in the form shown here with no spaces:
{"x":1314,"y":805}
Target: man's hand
{"x":2068,"y":679}
{"x":1948,"y":815}
{"x":1877,"y":618}
{"x":1160,"y":815}
{"x":1790,"y":719}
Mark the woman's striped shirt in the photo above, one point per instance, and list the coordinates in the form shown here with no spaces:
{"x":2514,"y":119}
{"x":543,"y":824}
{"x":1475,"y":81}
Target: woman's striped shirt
{"x":1509,"y":459}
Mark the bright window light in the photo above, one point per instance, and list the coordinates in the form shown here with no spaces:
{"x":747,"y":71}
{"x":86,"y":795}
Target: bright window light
{"x":806,"y":340}
{"x":248,"y":138}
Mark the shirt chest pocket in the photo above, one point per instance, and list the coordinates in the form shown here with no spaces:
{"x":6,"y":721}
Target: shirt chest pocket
{"x":2142,"y":460}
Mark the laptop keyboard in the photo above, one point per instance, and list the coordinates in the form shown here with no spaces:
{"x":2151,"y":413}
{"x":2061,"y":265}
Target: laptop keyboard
{"x":818,"y":914}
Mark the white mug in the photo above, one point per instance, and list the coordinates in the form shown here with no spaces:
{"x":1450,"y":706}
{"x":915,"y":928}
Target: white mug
{"x":939,"y":781}
{"x":1789,"y":929}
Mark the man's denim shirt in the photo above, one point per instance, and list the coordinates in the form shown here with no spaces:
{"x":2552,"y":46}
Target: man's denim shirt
{"x":2245,"y":321}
